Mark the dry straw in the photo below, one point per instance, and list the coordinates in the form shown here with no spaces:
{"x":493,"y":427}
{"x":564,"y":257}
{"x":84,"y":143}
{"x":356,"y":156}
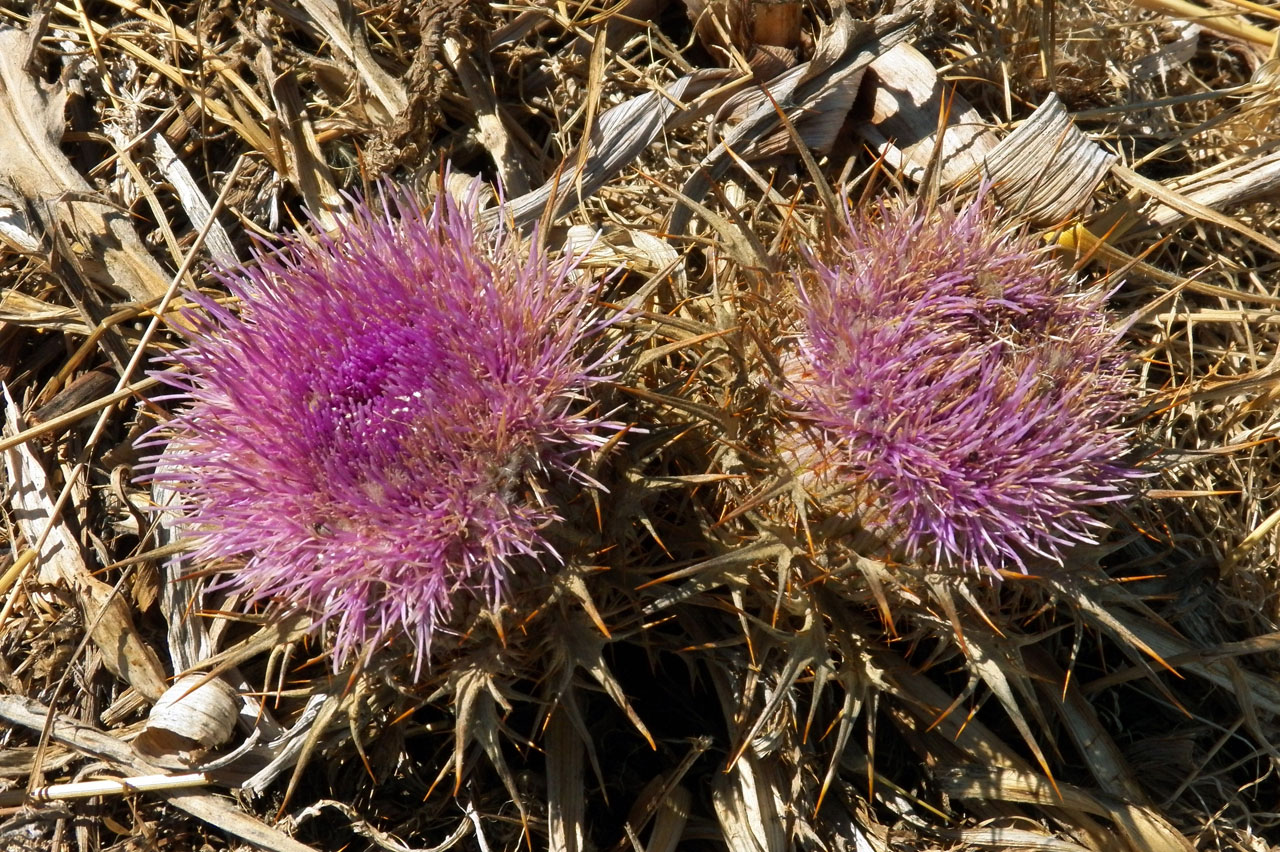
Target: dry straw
{"x":718,"y":656}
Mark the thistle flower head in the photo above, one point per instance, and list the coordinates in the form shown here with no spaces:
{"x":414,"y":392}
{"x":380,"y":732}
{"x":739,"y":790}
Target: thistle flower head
{"x":366,"y":430}
{"x":962,"y":387}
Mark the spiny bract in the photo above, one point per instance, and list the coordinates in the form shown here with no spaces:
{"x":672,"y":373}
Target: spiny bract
{"x":961,"y":386}
{"x":364,"y":432}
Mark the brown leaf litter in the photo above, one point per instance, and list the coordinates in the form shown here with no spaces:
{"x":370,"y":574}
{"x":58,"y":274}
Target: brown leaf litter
{"x":712,"y":667}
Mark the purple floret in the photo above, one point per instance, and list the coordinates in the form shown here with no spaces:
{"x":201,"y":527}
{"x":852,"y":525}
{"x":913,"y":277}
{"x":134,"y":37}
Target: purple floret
{"x":365,"y":430}
{"x":963,"y":388}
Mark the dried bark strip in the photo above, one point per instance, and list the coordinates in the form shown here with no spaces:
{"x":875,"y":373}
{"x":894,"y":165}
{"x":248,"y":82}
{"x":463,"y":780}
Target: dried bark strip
{"x":31,"y":125}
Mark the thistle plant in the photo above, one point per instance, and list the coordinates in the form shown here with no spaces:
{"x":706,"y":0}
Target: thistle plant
{"x":960,"y":388}
{"x":372,"y":431}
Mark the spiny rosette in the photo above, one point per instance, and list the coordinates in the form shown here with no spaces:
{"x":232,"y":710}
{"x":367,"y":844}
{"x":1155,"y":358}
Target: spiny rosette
{"x":961,"y":390}
{"x":369,"y":431}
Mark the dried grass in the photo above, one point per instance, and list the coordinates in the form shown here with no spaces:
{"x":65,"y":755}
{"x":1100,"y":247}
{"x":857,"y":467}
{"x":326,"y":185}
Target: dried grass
{"x":709,"y":670}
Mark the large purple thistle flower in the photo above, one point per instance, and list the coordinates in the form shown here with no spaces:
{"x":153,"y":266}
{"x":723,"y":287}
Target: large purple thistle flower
{"x":961,"y":389}
{"x":364,"y":432}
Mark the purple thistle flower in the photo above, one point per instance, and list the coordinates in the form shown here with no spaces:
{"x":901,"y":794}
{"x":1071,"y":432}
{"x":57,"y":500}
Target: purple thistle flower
{"x":962,"y":387}
{"x":365,"y":431}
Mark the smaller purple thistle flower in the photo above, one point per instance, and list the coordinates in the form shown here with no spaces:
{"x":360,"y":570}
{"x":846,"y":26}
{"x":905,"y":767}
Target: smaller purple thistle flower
{"x":963,"y":387}
{"x":365,"y":431}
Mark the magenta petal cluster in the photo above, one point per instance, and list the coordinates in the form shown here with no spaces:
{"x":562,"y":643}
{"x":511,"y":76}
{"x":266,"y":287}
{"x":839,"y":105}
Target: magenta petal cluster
{"x":364,"y":431}
{"x":962,"y":387}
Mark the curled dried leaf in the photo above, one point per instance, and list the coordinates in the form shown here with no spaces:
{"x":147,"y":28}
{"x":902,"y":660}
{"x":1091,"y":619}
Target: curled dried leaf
{"x":194,"y":715}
